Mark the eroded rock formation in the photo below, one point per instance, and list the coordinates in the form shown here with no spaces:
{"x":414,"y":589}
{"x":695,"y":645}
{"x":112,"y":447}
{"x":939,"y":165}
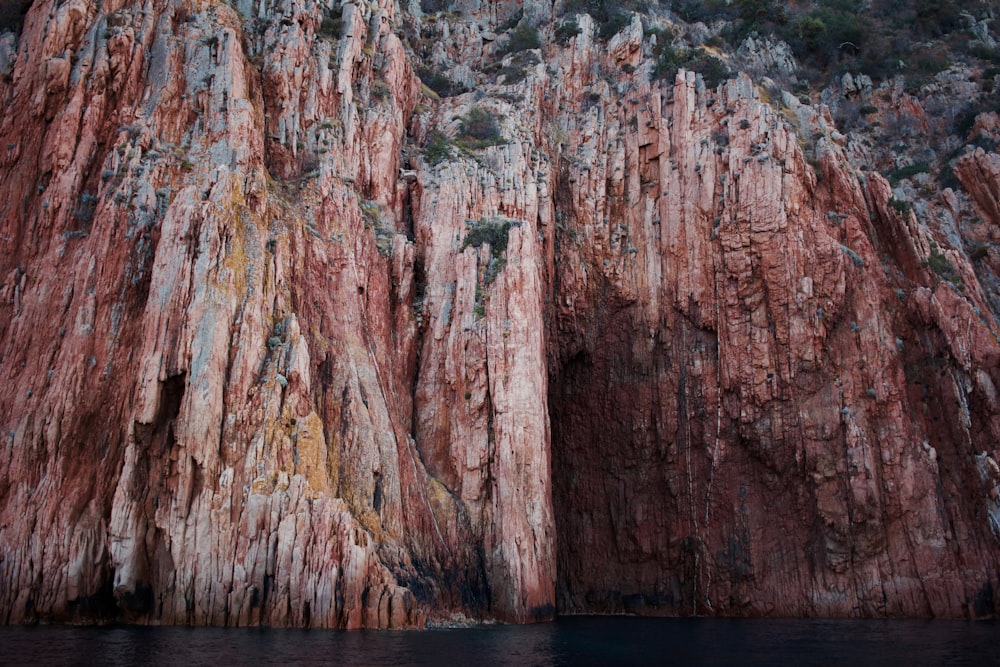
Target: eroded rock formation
{"x":286,"y":341}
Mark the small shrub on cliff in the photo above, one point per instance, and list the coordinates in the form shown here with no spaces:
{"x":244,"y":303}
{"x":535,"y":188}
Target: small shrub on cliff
{"x":517,"y":68}
{"x":712,"y":70}
{"x":855,"y":257}
{"x":523,"y":38}
{"x":438,"y":148}
{"x":384,"y":232}
{"x":908,"y":171}
{"x":493,"y":270}
{"x":480,"y":129}
{"x":942,"y":266}
{"x":333,"y":23}
{"x":979,"y":251}
{"x":668,"y":59}
{"x":380,"y":91}
{"x":491,"y":231}
{"x":440,"y":83}
{"x":85,"y":209}
{"x":615,"y":23}
{"x":901,"y":206}
{"x":513,"y":74}
{"x":947,"y":177}
{"x":566,"y":31}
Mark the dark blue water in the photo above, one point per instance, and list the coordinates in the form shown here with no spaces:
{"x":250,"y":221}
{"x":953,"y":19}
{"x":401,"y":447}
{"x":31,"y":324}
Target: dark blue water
{"x":569,"y":641}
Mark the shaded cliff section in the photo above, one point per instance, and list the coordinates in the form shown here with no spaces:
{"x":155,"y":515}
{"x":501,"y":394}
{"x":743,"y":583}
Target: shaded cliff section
{"x":288,"y":339}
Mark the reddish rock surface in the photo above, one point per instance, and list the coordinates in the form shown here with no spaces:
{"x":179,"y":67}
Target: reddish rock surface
{"x":265,"y":360}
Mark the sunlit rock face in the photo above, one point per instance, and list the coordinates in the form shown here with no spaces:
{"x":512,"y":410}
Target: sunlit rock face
{"x":287,"y":339}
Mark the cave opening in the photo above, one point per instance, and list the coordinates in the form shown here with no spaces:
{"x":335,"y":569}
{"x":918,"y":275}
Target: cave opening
{"x":631,"y":422}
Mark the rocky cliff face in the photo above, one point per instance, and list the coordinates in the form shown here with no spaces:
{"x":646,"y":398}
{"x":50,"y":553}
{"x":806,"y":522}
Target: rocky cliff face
{"x":286,"y":338}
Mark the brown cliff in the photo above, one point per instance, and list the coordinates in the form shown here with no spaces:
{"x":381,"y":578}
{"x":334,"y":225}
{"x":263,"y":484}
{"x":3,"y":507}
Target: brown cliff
{"x":286,"y":340}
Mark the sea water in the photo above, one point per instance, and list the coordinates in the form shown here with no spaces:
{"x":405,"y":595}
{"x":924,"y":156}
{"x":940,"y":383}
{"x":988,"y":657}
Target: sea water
{"x":568,"y":641}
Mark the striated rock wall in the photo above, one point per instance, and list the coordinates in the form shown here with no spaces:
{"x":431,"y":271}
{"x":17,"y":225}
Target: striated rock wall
{"x":754,"y":365}
{"x":282,"y":341}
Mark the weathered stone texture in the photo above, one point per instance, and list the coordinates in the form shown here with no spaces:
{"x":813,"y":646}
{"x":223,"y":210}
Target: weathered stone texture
{"x":254,"y":369}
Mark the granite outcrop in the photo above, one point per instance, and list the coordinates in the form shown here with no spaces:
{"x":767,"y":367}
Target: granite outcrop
{"x":288,"y":338}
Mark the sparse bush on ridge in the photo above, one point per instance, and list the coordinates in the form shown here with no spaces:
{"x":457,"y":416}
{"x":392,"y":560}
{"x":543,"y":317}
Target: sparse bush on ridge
{"x":523,"y":38}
